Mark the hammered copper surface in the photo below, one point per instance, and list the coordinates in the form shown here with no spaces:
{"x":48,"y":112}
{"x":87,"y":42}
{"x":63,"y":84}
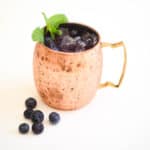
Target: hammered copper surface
{"x":67,"y":81}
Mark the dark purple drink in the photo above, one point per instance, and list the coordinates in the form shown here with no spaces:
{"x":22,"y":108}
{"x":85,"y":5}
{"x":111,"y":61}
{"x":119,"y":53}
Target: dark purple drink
{"x":74,"y":38}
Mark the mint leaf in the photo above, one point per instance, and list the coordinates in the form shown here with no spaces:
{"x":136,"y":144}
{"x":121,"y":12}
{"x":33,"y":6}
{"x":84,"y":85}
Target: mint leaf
{"x":52,"y":23}
{"x":57,"y":19}
{"x":38,"y":35}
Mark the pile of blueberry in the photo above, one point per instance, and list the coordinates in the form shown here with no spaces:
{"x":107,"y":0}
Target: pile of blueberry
{"x":37,"y":117}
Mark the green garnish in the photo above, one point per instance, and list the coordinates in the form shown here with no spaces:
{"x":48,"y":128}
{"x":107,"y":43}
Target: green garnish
{"x":38,"y":35}
{"x":52,"y":25}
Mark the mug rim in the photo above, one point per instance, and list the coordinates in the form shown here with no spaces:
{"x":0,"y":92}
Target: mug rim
{"x":79,"y":52}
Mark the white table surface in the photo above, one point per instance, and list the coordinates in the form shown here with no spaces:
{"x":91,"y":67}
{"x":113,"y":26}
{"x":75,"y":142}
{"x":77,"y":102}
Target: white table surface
{"x":116,"y":119}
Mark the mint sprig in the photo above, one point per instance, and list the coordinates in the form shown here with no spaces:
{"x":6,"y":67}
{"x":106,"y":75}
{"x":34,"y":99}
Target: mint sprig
{"x":52,"y":25}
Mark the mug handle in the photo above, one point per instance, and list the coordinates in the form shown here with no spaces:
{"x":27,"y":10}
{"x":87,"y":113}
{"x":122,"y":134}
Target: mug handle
{"x":115,"y":45}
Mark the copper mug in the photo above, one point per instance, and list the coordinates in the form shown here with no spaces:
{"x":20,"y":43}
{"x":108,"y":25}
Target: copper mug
{"x":69,"y":80}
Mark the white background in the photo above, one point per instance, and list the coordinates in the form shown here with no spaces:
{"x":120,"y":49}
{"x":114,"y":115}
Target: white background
{"x":116,"y":119}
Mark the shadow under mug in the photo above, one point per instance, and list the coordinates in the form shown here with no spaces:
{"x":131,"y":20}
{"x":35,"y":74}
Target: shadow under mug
{"x":69,"y":80}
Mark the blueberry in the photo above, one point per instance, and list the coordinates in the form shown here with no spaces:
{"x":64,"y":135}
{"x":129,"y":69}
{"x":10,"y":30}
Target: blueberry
{"x":89,"y":41}
{"x":37,"y":116}
{"x":37,"y":128}
{"x":47,"y":41}
{"x":30,"y":102}
{"x":94,"y":38}
{"x":50,"y":43}
{"x":73,"y":33}
{"x":27,"y":113}
{"x":85,"y":36}
{"x":54,"y":117}
{"x":23,"y":128}
{"x":80,"y":45}
{"x":53,"y":45}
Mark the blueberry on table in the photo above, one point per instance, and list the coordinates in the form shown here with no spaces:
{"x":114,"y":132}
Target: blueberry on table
{"x":37,"y":116}
{"x":54,"y":117}
{"x":28,"y":112}
{"x":30,"y":102}
{"x":23,"y":128}
{"x":37,"y":128}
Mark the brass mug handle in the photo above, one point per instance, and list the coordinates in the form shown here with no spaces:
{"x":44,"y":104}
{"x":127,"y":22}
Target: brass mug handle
{"x":115,"y":45}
